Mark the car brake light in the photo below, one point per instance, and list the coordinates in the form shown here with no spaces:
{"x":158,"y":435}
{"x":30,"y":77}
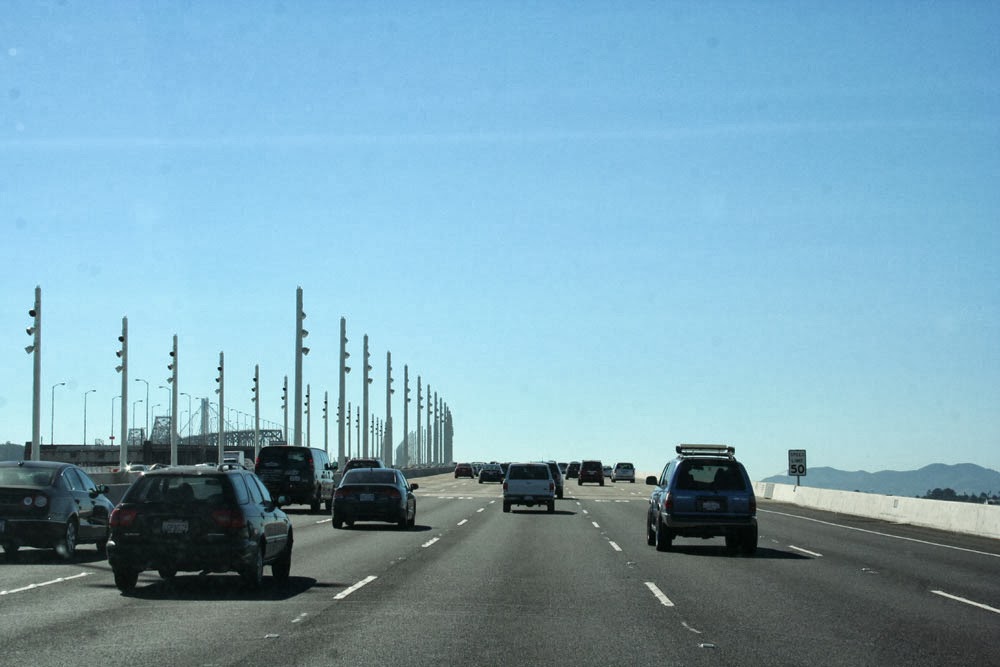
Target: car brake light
{"x":753,"y":504}
{"x":340,"y":493}
{"x":505,"y":485}
{"x":552,"y":486}
{"x":122,"y":518}
{"x":392,"y":493}
{"x":668,"y":503}
{"x":225,"y":518}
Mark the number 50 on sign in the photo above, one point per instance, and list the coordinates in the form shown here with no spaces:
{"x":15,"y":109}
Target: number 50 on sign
{"x":796,"y":462}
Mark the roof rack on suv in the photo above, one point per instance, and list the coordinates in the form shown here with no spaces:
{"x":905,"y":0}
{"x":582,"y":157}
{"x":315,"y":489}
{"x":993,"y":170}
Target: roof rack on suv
{"x":706,"y":450}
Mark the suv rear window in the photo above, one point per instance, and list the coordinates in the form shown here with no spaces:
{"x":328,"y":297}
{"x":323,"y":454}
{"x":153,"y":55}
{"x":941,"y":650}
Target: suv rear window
{"x":540,"y":471}
{"x":710,"y":476}
{"x":365,"y":476}
{"x":288,"y":457}
{"x":210,"y":489}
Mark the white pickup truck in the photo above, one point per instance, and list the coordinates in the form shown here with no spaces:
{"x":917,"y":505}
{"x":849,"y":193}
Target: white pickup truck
{"x":529,"y":484}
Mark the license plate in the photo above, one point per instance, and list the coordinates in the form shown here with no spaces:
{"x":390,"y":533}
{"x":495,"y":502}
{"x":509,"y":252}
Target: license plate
{"x":293,"y":478}
{"x":367,"y":497}
{"x":712,"y":506}
{"x":174,"y":527}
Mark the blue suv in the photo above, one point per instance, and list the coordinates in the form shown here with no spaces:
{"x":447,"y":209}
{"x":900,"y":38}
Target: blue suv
{"x":704,"y":492}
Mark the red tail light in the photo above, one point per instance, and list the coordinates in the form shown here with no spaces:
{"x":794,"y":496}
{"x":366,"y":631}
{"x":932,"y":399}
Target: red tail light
{"x":505,"y":485}
{"x":753,"y":504}
{"x":122,"y":518}
{"x":340,"y":493}
{"x":391,"y":493}
{"x":228,"y":519}
{"x":552,"y":486}
{"x":668,"y":503}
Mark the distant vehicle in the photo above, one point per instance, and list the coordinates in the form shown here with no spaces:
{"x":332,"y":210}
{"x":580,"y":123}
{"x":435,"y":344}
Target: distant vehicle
{"x":136,"y":467}
{"x":562,"y":467}
{"x":573,"y":469}
{"x":608,"y":471}
{"x":557,"y":477}
{"x":159,"y":466}
{"x":704,"y":492}
{"x":238,"y":458}
{"x":623,"y":472}
{"x":591,"y":471}
{"x":192,"y":518}
{"x":375,"y":494}
{"x":50,"y":505}
{"x":299,"y":474}
{"x":464,"y":470}
{"x":358,"y":462}
{"x":529,"y":484}
{"x":491,"y":472}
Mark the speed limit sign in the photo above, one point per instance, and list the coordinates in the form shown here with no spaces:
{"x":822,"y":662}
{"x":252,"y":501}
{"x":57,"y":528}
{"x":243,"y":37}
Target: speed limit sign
{"x":796,"y":462}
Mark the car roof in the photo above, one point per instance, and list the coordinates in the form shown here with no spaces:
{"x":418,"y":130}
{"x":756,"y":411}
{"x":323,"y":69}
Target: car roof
{"x":34,"y":464}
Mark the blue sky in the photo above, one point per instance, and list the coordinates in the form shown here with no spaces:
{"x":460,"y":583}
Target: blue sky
{"x":595,"y":231}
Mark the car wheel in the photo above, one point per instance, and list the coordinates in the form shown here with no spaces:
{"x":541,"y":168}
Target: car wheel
{"x":125,"y":579}
{"x":732,"y":542}
{"x":102,"y":545}
{"x":282,"y":567}
{"x":314,"y":506}
{"x":401,"y":522}
{"x":650,"y":533}
{"x":167,"y":573}
{"x":506,"y":506}
{"x":602,"y":482}
{"x":253,"y":574}
{"x":66,"y":547}
{"x":338,"y":523}
{"x":11,"y":551}
{"x":560,"y":494}
{"x":413,"y":519}
{"x":748,"y":541}
{"x":552,"y":506}
{"x":480,"y":480}
{"x":663,"y":537}
{"x":579,"y":483}
{"x":329,"y":505}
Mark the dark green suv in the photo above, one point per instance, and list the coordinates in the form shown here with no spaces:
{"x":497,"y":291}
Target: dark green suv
{"x":705,"y":492}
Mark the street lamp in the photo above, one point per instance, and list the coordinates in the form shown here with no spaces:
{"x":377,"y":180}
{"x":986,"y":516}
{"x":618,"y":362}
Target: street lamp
{"x":125,"y":435}
{"x":146,"y":408}
{"x":169,"y":406}
{"x":52,"y":422}
{"x":89,"y":391}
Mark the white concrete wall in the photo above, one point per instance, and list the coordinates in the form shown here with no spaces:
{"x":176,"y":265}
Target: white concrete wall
{"x":974,"y":519}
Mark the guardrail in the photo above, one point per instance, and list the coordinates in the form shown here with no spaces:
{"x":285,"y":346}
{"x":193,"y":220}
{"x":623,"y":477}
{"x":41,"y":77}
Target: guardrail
{"x":968,"y":518}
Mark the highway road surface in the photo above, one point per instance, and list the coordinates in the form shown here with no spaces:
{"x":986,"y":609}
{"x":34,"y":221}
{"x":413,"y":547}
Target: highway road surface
{"x":471,"y":585}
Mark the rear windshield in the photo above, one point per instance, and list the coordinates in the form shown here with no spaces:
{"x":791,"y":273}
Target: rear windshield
{"x":287,"y":457}
{"x":710,"y":476}
{"x":529,"y":472}
{"x":374,"y":476}
{"x":178,"y":489}
{"x":624,"y":466}
{"x":25,"y":476}
{"x":591,"y":465}
{"x":362,"y":463}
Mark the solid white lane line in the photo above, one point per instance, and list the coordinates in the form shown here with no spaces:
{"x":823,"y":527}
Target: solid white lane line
{"x":805,"y":551}
{"x":658,"y":594}
{"x":427,"y":544}
{"x":463,"y":522}
{"x":364,"y":582}
{"x":31,"y":587}
{"x":875,"y":532}
{"x":966,"y":601}
{"x":614,"y":546}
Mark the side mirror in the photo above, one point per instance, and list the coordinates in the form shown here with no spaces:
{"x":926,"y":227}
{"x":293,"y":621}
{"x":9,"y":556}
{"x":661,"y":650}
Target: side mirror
{"x":414,"y":487}
{"x":651,"y":481}
{"x":101,"y":489}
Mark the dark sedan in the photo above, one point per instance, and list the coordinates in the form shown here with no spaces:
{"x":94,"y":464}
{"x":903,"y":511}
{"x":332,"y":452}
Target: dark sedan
{"x":51,"y":505}
{"x":491,"y":472}
{"x":375,"y":494}
{"x":197,"y":518}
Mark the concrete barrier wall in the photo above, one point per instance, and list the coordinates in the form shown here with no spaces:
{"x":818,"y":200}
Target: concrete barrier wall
{"x":970,"y":518}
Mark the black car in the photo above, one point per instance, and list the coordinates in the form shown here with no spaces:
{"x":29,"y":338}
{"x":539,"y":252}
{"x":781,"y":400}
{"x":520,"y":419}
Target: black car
{"x":573,"y":469}
{"x":375,"y":494}
{"x":299,"y":474}
{"x":196,"y":518}
{"x":705,"y":492}
{"x":51,"y":505}
{"x":491,"y":472}
{"x":591,"y":471}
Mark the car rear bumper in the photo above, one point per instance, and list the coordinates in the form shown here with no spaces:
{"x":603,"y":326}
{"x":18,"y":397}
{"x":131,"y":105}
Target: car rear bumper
{"x":214,"y":556}
{"x":537,"y":499}
{"x":38,"y":533}
{"x":710,"y":526}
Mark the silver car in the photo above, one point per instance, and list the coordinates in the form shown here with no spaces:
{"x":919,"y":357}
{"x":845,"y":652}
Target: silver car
{"x":623,"y":472}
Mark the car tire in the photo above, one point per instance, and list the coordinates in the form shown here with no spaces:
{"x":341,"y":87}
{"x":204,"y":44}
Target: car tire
{"x":602,"y":482}
{"x":748,"y":541}
{"x":329,"y":505}
{"x":560,"y":494}
{"x":125,"y":579}
{"x":11,"y":551}
{"x":253,"y":573}
{"x":650,"y":533}
{"x":664,"y":539}
{"x":338,"y":523}
{"x":314,"y":505}
{"x":402,"y":521}
{"x":733,"y":542}
{"x":551,"y":506}
{"x":102,"y":544}
{"x":413,"y":520}
{"x":282,"y":568}
{"x":579,"y":483}
{"x":506,"y":506}
{"x":66,"y":547}
{"x":167,"y":573}
{"x":480,"y":480}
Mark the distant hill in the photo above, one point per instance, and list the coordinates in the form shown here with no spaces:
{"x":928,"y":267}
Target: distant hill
{"x":11,"y":452}
{"x":963,"y":478}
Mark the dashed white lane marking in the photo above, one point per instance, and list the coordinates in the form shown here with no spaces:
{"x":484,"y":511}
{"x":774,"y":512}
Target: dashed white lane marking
{"x":301,"y":617}
{"x":805,"y":551}
{"x":595,"y":524}
{"x":614,"y":546}
{"x":31,"y":587}
{"x":325,"y":520}
{"x":347,"y":591}
{"x":462,"y":522}
{"x":658,"y":594}
{"x":430,"y":542}
{"x":966,"y":601}
{"x":481,"y":509}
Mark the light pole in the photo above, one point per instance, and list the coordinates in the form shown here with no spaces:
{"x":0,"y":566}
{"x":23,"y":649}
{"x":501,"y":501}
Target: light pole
{"x":190,"y":414}
{"x":170,"y":407}
{"x":89,"y":391}
{"x":52,"y":417}
{"x":145,"y":408}
{"x":124,"y":435}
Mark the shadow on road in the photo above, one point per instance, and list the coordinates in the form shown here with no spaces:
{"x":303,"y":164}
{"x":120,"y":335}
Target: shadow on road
{"x":195,"y":586}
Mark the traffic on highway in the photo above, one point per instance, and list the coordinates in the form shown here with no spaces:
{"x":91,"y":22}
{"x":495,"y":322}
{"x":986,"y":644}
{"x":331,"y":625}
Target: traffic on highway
{"x":456,"y":585}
